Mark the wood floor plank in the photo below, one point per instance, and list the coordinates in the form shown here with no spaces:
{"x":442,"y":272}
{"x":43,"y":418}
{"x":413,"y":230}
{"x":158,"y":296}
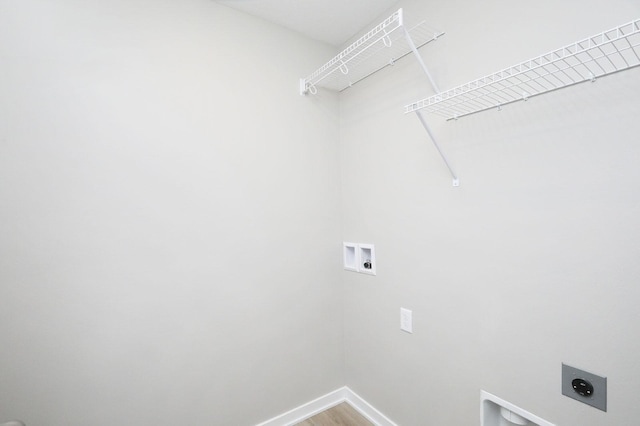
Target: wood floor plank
{"x":340,"y":415}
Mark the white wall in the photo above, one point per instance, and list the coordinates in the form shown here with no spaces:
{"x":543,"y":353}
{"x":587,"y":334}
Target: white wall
{"x":531,"y":262}
{"x":169,"y":216}
{"x":170,"y":220}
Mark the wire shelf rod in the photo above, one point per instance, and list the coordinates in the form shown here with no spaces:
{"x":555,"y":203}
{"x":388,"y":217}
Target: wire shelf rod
{"x":596,"y":56}
{"x":390,"y":63}
{"x":378,"y":48}
{"x":346,"y":52}
{"x":354,"y":49}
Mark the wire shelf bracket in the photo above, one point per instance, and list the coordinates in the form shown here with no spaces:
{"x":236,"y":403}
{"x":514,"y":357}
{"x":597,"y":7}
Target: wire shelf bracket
{"x":379,"y":48}
{"x":382,"y":46}
{"x":605,"y":53}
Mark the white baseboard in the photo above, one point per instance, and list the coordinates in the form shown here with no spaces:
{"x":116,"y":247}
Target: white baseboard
{"x":327,"y":401}
{"x":367,"y":410}
{"x":307,"y":410}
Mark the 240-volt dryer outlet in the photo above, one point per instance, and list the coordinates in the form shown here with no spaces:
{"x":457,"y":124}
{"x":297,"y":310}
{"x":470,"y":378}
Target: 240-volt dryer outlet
{"x":584,"y":387}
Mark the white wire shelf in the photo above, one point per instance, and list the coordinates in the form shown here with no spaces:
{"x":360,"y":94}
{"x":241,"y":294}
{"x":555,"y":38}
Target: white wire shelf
{"x":380,"y":47}
{"x":605,"y":53}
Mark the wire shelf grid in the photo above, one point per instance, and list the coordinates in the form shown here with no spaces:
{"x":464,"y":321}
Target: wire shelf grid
{"x":380,"y":47}
{"x":605,"y":53}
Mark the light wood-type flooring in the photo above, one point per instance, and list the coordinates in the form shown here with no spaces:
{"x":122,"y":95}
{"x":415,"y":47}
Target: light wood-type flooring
{"x":340,"y":415}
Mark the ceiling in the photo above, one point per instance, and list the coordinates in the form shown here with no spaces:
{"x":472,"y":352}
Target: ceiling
{"x":330,"y":21}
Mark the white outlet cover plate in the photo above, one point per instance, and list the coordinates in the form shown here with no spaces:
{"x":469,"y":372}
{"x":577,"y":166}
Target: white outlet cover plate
{"x":406,"y":320}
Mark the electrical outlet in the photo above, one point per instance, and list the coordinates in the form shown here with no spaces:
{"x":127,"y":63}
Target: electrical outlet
{"x":584,"y":387}
{"x":406,"y":320}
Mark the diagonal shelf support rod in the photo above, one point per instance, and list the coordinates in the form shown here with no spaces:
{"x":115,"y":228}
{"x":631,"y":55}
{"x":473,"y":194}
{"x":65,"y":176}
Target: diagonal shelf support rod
{"x":414,"y":49}
{"x":434,"y":85}
{"x":456,"y":181}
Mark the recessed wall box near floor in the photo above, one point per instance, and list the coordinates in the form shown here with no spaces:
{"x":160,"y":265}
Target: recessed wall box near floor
{"x":496,"y":411}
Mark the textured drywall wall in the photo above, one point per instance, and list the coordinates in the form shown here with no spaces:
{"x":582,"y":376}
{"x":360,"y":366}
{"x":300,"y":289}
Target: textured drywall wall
{"x":169,"y":222}
{"x":531,"y":262}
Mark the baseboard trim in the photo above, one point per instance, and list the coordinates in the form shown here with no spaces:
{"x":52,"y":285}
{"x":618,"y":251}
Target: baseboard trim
{"x":307,"y":410}
{"x":367,"y":410}
{"x":327,"y":401}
